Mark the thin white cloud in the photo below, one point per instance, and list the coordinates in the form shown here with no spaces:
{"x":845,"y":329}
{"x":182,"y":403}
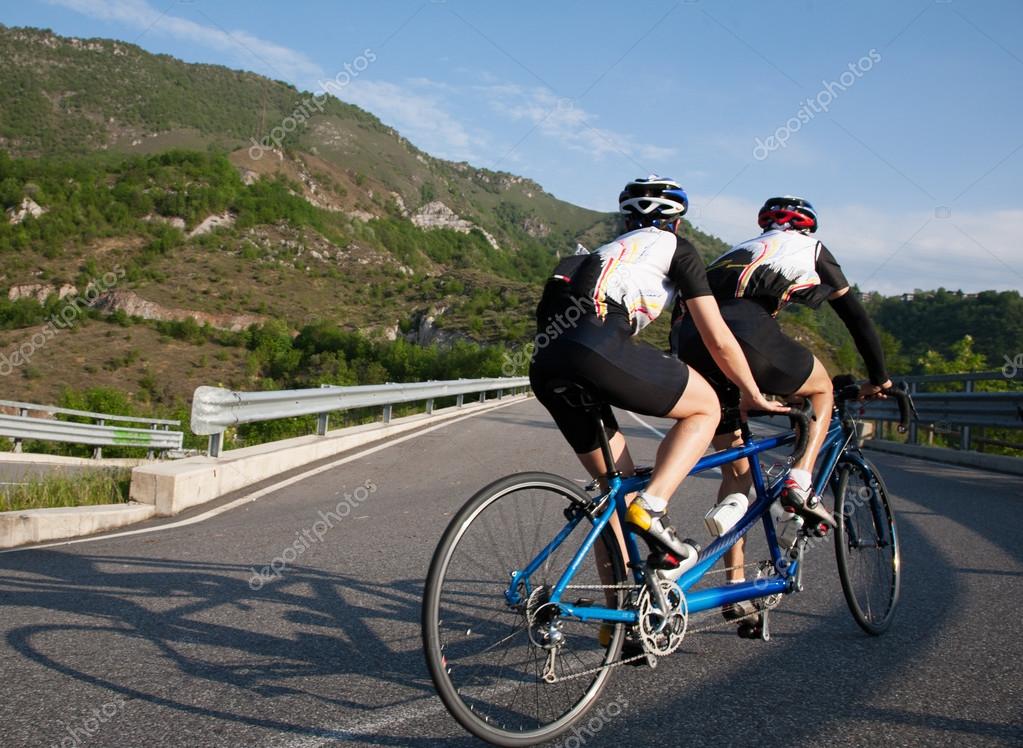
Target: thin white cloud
{"x":419,"y":115}
{"x":269,"y":58}
{"x":565,"y":122}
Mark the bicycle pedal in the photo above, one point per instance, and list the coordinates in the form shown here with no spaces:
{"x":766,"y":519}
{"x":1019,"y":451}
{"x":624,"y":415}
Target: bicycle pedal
{"x":748,"y":630}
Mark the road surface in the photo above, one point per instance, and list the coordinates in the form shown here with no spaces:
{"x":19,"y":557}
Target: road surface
{"x":168,"y":638}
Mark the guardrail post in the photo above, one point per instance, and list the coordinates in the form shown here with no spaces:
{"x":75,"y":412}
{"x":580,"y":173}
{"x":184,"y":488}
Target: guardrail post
{"x":483,"y":397}
{"x":460,"y":400}
{"x":388,"y":410}
{"x":97,"y":452}
{"x":500,"y":394}
{"x":151,"y":454}
{"x":429,"y":407}
{"x":322,"y":422}
{"x":912,"y":422}
{"x":965,"y":432}
{"x":216,"y":441}
{"x":23,"y":412}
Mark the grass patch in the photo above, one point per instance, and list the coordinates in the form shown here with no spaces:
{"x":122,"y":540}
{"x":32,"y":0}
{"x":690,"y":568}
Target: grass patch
{"x":81,"y":489}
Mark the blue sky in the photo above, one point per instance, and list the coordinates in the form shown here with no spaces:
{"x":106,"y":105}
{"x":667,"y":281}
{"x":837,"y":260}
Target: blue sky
{"x":900,"y":120}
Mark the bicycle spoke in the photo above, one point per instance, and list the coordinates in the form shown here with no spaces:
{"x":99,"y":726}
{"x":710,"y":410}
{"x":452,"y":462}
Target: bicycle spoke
{"x":491,"y":657}
{"x":867,"y":550}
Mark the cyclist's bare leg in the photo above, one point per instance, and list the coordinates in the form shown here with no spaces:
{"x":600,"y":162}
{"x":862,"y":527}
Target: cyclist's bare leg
{"x":735,"y":478}
{"x":697,"y":414}
{"x":595,"y":466}
{"x":818,"y":389}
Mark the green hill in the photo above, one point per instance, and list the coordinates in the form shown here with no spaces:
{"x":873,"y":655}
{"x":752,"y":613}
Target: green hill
{"x":162,"y":173}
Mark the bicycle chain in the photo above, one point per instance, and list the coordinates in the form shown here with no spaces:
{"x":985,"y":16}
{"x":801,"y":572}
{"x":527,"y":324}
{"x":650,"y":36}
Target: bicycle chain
{"x":627,"y":660}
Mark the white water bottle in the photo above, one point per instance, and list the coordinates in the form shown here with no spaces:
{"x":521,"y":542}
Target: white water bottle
{"x":786,"y":525}
{"x":723,"y":517}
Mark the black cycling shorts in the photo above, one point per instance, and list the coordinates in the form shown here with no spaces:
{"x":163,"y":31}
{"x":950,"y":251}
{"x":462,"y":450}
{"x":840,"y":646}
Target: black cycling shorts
{"x":779,"y":364}
{"x":613,"y":368}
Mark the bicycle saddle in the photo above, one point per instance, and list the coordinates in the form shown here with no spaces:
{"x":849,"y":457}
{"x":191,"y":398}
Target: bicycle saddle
{"x":576,"y":394}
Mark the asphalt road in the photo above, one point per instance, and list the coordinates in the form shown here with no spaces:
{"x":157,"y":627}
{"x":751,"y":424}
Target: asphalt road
{"x":161,"y":639}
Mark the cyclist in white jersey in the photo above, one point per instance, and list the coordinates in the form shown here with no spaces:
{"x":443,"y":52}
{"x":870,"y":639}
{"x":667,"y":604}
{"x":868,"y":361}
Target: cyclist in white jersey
{"x":592,"y":307}
{"x":752,"y":282}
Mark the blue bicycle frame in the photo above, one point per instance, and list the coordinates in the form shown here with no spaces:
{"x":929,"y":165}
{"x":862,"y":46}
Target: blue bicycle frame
{"x":603,"y":508}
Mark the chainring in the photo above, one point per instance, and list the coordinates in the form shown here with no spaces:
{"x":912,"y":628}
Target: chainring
{"x":662,"y":633}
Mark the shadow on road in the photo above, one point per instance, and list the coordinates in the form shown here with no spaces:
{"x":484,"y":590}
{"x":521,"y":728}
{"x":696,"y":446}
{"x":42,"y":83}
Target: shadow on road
{"x":181,"y":609}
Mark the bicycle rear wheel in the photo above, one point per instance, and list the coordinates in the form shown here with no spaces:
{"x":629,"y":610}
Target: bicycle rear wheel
{"x":487,"y":657}
{"x":867,"y":546}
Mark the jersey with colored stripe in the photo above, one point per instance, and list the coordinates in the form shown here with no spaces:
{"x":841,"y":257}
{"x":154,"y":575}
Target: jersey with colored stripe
{"x":776,"y":268}
{"x":639,"y":274}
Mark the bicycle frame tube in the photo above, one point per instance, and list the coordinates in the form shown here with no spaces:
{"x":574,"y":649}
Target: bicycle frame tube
{"x":703,"y":599}
{"x":834,"y":446}
{"x":622,"y":487}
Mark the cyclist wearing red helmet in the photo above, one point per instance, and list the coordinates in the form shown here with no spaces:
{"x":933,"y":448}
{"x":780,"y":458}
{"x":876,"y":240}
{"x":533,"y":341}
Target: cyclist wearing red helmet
{"x":592,"y":306}
{"x":752,"y":282}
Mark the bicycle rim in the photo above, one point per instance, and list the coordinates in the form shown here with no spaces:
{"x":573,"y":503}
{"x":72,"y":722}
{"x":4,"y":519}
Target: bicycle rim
{"x":867,"y":548}
{"x":487,"y":667}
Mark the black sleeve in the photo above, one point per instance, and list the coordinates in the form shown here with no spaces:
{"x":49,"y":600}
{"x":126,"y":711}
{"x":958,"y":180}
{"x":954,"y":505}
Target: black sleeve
{"x":687,"y":271}
{"x":864,"y":334}
{"x":830,"y":271}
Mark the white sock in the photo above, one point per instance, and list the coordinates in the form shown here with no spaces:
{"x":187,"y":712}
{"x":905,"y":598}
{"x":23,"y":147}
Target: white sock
{"x":801,"y":477}
{"x":736,"y":581}
{"x":653,"y":503}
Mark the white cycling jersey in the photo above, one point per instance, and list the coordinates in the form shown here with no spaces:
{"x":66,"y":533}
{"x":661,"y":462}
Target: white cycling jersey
{"x":642,"y":270}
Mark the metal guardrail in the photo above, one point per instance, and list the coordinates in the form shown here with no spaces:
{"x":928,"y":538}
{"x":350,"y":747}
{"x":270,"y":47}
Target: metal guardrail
{"x":215,"y":409}
{"x":957,"y":413}
{"x":100,"y":434}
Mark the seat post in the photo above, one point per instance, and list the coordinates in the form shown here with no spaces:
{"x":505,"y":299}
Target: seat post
{"x":605,"y":447}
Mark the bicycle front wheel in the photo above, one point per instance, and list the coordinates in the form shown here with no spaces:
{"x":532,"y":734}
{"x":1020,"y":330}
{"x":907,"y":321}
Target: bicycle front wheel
{"x":867,"y":546}
{"x":513,"y":672}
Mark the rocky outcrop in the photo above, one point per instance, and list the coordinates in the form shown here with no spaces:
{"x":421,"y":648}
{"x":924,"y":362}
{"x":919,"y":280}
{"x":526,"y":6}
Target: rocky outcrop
{"x":399,"y":203}
{"x":424,"y":329}
{"x":209,"y":223}
{"x":536,"y":228}
{"x":40,"y":291}
{"x":28,"y":207}
{"x":134,"y":305}
{"x":172,"y":221}
{"x":437,"y":215}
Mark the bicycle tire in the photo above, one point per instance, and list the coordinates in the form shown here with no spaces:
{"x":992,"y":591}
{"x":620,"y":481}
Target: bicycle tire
{"x":463,"y":689}
{"x":867,"y":540}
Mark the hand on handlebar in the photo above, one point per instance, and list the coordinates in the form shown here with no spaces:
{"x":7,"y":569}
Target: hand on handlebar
{"x":756,"y":401}
{"x":870,"y":391}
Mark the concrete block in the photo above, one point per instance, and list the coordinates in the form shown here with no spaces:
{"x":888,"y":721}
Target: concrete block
{"x":39,"y":525}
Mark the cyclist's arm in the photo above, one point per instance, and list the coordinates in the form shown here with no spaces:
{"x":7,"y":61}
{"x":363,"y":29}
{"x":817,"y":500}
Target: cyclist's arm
{"x":856,"y":320}
{"x":864,"y":334}
{"x":727,"y":354}
{"x":689,"y":275}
